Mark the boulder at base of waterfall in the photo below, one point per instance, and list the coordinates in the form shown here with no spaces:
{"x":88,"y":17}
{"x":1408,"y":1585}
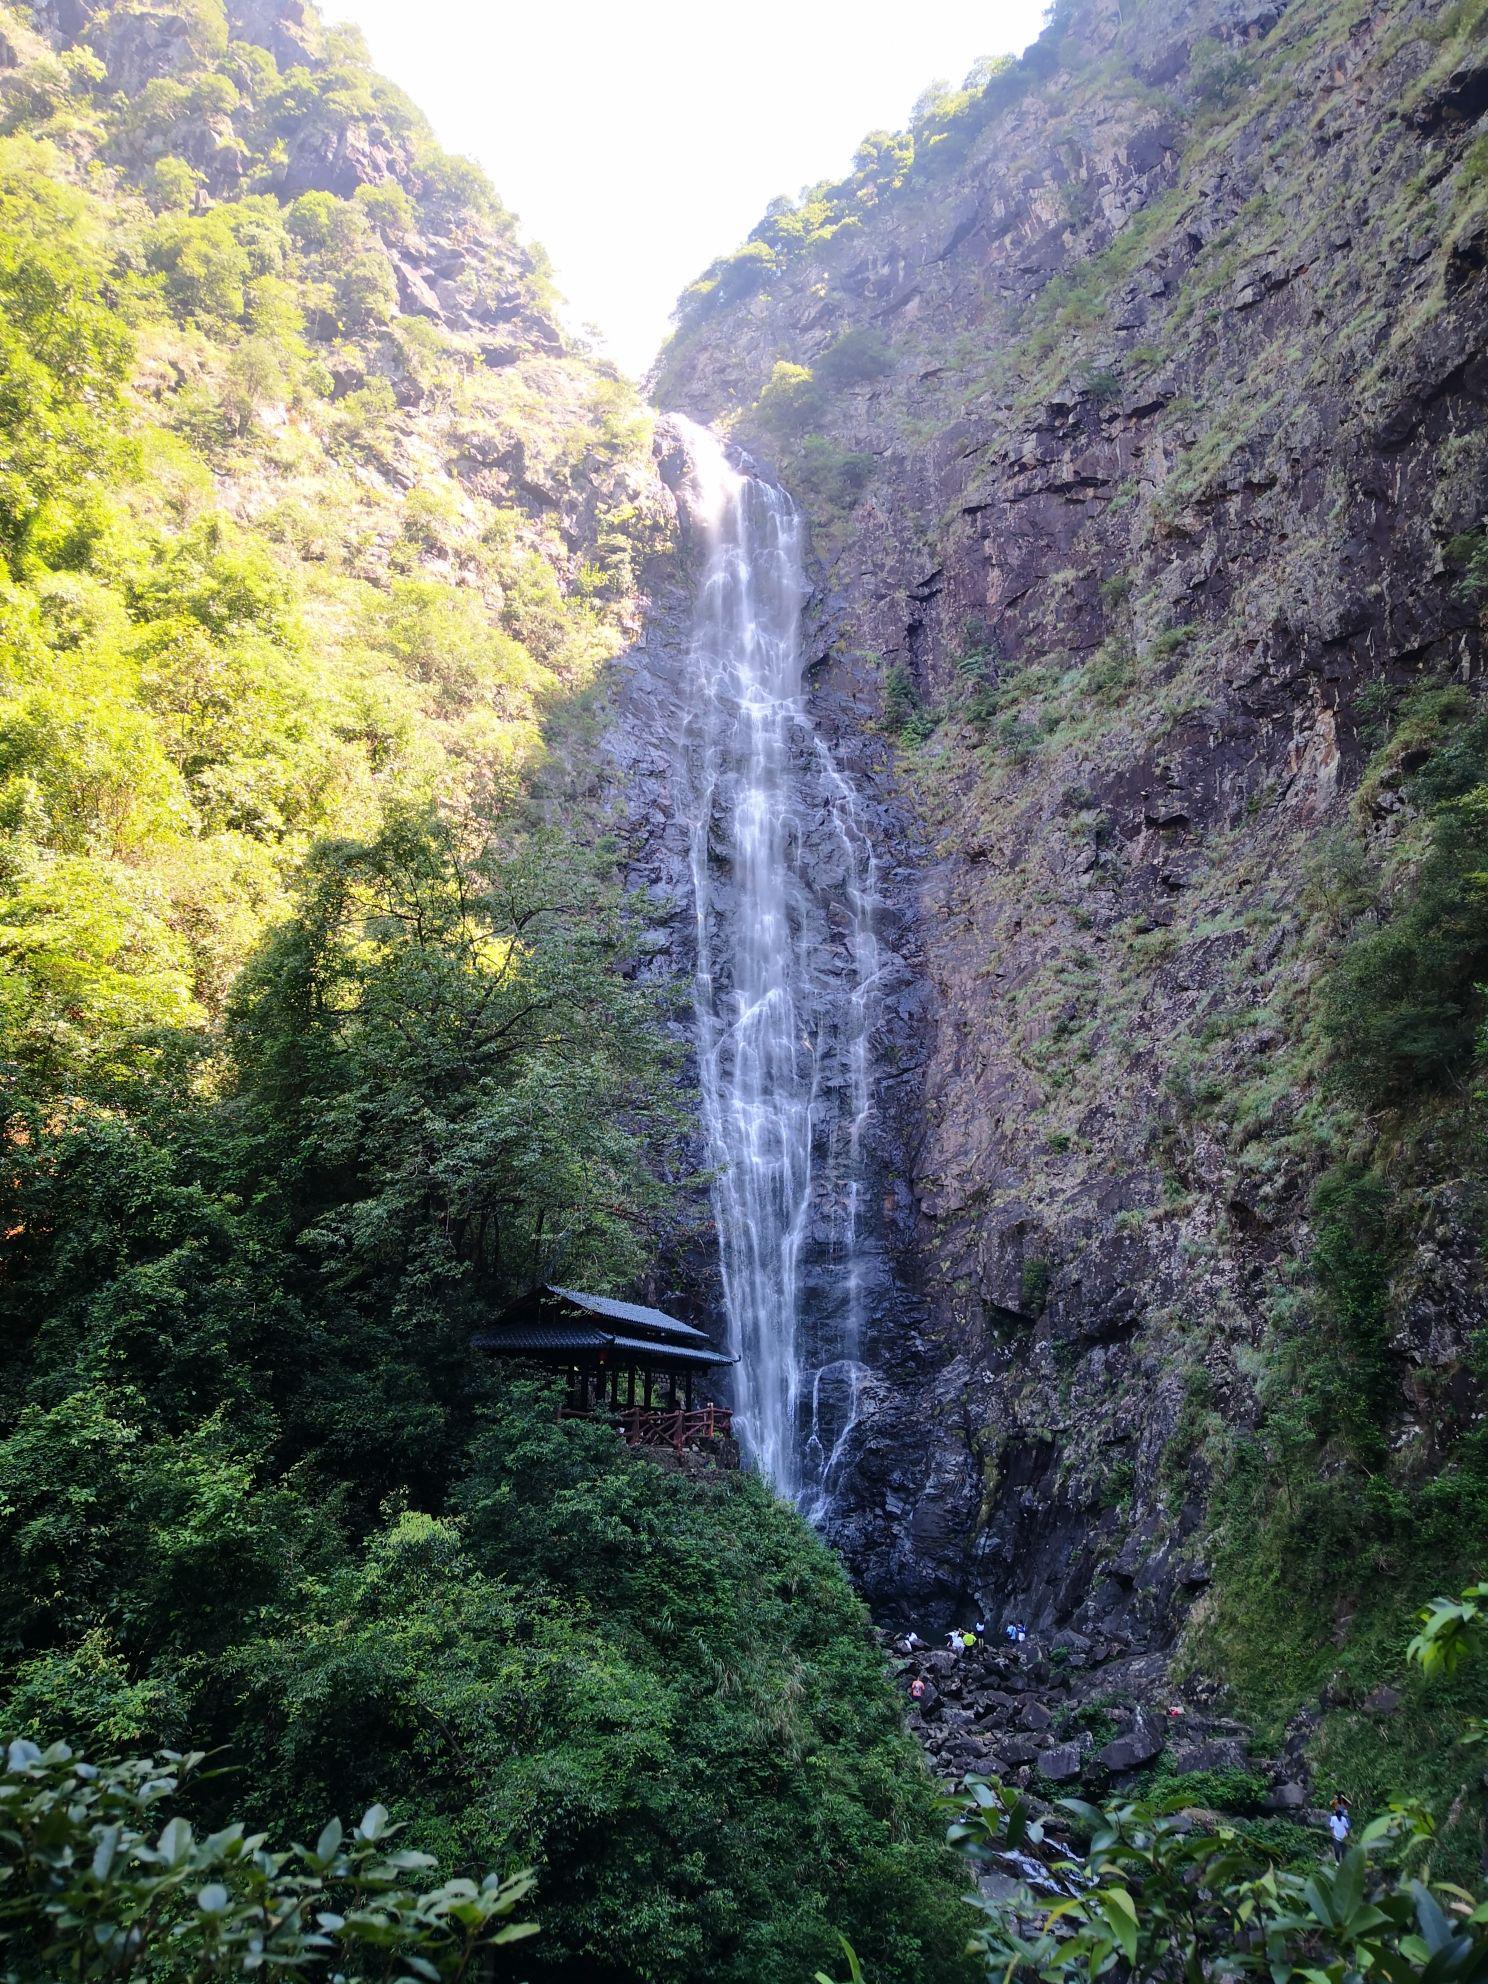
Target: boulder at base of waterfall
{"x":1058,"y":1765}
{"x":1286,"y":1798}
{"x":1215,"y":1753}
{"x":1138,"y":1746}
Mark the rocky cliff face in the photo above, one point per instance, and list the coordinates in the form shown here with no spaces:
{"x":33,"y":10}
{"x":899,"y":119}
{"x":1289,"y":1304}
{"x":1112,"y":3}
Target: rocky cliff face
{"x":1142,"y":417}
{"x":410,"y":271}
{"x":208,"y":102}
{"x":1137,"y":399}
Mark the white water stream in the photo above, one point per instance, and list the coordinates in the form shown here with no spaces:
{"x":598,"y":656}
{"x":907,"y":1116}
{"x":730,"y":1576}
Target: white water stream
{"x":787,"y":960}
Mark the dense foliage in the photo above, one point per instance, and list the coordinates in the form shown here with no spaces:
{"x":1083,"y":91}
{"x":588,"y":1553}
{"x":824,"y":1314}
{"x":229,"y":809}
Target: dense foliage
{"x":664,"y":1696}
{"x":254,"y":1492}
{"x":323,"y":1031}
{"x":1406,"y":1004}
{"x":1155,"y":1896}
{"x":253,"y":589}
{"x":94,"y":1885}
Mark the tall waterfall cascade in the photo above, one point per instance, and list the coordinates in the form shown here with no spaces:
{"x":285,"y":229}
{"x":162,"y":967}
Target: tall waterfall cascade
{"x":784,"y":887}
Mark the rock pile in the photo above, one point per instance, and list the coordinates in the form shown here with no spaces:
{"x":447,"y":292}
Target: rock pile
{"x":1068,"y":1714}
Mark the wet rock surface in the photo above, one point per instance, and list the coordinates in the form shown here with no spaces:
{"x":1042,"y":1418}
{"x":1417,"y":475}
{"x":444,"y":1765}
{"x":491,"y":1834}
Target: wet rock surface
{"x":894,"y":1541}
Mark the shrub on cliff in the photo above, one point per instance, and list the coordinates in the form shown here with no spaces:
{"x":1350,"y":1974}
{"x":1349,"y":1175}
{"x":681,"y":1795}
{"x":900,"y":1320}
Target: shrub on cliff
{"x":791,"y":403}
{"x":1405,"y":1004}
{"x":728,"y":280}
{"x":854,"y":359}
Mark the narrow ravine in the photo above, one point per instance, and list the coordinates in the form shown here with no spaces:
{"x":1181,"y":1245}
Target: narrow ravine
{"x":784,"y":888}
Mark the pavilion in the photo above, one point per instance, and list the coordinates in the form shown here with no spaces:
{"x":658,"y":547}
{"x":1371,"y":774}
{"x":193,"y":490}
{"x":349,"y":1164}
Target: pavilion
{"x":635,"y":1366}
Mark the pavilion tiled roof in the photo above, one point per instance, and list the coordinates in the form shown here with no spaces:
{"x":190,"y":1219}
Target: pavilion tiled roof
{"x":548,"y":1339}
{"x":553,"y":1321}
{"x":629,"y":1312}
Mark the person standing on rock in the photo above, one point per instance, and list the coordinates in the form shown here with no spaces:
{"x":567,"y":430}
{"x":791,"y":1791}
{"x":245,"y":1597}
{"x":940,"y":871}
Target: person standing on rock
{"x":1340,"y":1825}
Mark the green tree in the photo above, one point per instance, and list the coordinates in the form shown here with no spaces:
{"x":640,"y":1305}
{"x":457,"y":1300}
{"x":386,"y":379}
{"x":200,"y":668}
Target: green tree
{"x":475,"y":1092}
{"x":63,"y":350}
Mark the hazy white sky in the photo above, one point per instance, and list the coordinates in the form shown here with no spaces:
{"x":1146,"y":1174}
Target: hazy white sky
{"x":638,"y":139}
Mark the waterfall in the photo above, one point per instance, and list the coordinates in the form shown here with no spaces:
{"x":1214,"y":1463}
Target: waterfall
{"x":784,"y":888}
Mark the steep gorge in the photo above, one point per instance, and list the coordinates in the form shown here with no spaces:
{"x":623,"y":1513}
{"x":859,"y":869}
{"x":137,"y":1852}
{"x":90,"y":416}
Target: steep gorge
{"x":1143,"y":532}
{"x":1137,"y":397}
{"x":327,"y":1030}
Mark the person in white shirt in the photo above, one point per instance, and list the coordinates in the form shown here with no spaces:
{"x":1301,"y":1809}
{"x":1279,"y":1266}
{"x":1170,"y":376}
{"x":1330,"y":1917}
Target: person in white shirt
{"x":1340,"y":1825}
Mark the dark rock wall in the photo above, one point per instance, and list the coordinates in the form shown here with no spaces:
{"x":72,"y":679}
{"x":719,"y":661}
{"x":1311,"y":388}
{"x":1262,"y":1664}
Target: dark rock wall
{"x":1188,"y":371}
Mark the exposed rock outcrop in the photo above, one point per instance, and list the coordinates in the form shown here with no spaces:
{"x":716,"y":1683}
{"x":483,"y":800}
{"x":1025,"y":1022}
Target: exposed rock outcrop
{"x":1137,"y":480}
{"x":470,"y":276}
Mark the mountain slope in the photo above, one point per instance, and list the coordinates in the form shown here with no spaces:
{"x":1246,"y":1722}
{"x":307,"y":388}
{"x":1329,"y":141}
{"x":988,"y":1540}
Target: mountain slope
{"x":317,"y":511}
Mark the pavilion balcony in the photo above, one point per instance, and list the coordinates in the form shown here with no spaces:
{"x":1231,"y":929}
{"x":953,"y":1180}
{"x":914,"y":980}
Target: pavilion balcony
{"x":697,"y":1429}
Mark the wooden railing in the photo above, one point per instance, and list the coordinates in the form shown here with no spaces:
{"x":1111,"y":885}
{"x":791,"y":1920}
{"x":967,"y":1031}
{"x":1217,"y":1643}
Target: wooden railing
{"x":656,"y":1427}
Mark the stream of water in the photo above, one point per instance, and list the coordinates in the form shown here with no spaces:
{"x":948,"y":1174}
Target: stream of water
{"x":787,"y":962}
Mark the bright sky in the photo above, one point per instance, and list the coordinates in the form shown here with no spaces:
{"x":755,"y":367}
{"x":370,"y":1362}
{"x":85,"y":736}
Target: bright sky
{"x":638,"y":139}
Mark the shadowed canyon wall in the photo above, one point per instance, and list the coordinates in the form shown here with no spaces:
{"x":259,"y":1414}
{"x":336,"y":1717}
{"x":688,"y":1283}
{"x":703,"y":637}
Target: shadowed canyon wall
{"x":1137,"y":399}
